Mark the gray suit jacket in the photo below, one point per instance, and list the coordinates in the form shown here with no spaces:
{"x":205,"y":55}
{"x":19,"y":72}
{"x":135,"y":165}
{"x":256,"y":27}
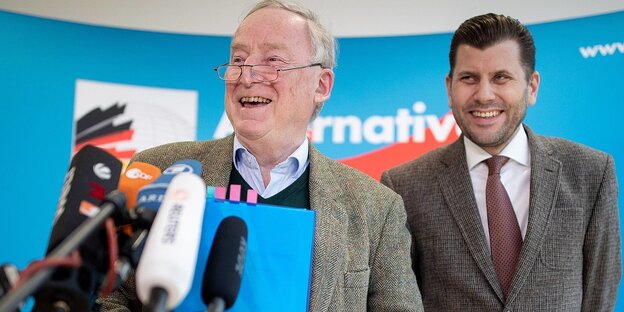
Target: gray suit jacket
{"x":571,"y":255}
{"x":361,"y":257}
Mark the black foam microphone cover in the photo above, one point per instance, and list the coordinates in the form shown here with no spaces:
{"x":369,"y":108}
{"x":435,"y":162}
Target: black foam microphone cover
{"x":224,"y":268}
{"x":92,"y":174}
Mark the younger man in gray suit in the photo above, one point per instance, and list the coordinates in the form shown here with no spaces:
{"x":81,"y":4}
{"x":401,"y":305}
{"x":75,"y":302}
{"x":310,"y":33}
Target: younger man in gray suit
{"x":541,"y":233}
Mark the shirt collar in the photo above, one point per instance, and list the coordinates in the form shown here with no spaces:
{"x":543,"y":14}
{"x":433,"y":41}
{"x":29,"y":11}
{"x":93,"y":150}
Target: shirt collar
{"x":299,"y":156}
{"x":517,"y":150}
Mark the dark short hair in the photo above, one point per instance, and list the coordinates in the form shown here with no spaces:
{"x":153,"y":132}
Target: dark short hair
{"x":486,"y":30}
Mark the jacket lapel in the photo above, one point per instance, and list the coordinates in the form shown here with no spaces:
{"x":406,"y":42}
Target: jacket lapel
{"x":329,"y":235}
{"x":545,"y":171}
{"x":456,"y":187}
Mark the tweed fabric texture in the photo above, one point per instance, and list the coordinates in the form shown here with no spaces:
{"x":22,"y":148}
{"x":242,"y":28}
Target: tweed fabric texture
{"x":361,"y":259}
{"x":571,"y":254}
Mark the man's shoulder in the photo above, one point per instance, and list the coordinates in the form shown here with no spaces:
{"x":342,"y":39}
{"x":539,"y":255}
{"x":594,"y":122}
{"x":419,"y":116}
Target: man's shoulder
{"x":423,"y":165}
{"x":338,"y":170}
{"x":165,"y":155}
{"x":358,"y":194}
{"x":351,"y":180}
{"x":567,"y":151}
{"x":578,"y":163}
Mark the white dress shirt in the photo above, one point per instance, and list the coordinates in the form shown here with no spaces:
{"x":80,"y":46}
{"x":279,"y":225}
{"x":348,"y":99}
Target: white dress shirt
{"x":515,"y":176}
{"x":282,"y":175}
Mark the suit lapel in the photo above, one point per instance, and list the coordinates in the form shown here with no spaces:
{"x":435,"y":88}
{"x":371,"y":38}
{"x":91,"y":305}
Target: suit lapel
{"x":329,"y":235}
{"x":456,"y":187}
{"x":545,"y":170}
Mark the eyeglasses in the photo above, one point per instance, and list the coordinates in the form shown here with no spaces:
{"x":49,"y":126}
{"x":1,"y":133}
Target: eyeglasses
{"x":262,"y":73}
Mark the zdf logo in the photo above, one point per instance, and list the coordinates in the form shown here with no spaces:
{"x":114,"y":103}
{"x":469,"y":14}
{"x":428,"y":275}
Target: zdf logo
{"x":136,"y":173}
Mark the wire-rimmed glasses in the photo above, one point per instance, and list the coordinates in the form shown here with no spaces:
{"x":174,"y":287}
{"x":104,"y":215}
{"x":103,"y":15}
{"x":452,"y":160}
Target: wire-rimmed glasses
{"x":262,"y":73}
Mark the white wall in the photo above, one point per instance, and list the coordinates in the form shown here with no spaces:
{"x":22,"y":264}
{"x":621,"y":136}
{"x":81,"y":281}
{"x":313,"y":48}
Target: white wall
{"x":345,"y":18}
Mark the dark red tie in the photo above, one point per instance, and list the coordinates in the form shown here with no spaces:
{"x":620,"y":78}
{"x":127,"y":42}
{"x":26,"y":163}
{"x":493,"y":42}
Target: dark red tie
{"x":505,"y":237}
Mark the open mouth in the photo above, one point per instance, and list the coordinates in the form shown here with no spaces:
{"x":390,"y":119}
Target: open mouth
{"x":249,"y":101}
{"x":489,"y":114}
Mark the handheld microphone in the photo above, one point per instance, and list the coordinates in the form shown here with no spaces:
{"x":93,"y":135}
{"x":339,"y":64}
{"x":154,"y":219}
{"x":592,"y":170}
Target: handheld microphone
{"x":165,"y":271}
{"x":92,"y":174}
{"x":224,"y":268}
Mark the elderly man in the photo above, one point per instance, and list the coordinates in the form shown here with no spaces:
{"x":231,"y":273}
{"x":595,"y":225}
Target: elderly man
{"x":278,"y":76}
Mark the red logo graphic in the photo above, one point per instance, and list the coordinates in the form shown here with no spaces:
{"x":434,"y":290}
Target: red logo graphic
{"x":97,"y":128}
{"x":97,"y":191}
{"x":374,"y":163}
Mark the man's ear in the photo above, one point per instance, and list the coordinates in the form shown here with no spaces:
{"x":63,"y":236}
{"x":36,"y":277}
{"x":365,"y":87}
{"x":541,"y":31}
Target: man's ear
{"x":533,"y":88}
{"x":449,"y":83}
{"x":325,"y":85}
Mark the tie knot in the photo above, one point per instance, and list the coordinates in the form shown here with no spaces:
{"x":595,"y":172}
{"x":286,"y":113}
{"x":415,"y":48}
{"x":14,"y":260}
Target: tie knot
{"x":495,"y":163}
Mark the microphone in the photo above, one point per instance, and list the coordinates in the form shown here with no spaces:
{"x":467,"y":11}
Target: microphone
{"x":165,"y":271}
{"x":224,"y":268}
{"x":137,"y":175}
{"x":8,"y":278}
{"x":151,"y":195}
{"x":92,"y":174}
{"x":148,"y":199}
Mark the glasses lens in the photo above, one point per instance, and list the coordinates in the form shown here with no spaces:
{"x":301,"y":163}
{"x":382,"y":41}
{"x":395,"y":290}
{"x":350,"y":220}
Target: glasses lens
{"x":264,"y":72}
{"x":229,"y":72}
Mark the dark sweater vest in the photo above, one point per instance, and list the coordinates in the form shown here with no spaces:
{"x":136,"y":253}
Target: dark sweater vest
{"x":296,"y":195}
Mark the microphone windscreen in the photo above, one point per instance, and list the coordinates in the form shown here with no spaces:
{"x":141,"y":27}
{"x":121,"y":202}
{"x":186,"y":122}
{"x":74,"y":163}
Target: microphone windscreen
{"x":92,"y":174}
{"x":224,"y":268}
{"x":184,"y":165}
{"x":137,"y":175}
{"x":170,"y":253}
{"x":151,"y":195}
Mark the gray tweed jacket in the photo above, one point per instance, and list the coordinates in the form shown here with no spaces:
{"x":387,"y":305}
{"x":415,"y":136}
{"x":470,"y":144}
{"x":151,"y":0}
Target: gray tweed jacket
{"x":361,"y":259}
{"x":571,"y":256}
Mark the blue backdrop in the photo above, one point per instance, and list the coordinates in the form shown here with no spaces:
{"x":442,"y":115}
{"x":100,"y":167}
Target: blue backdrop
{"x":580,"y":98}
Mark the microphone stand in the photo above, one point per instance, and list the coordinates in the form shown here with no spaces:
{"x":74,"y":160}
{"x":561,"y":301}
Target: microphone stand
{"x":113,"y":206}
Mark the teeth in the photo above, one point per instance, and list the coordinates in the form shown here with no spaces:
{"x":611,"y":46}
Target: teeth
{"x":254,"y":99}
{"x":486,"y":114}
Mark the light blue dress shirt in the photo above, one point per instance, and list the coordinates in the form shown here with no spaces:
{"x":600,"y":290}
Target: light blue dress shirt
{"x":282,"y":175}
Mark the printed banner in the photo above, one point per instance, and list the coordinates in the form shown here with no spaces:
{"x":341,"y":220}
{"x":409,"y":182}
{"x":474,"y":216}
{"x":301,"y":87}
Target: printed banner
{"x":123,"y":119}
{"x":65,"y":84}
